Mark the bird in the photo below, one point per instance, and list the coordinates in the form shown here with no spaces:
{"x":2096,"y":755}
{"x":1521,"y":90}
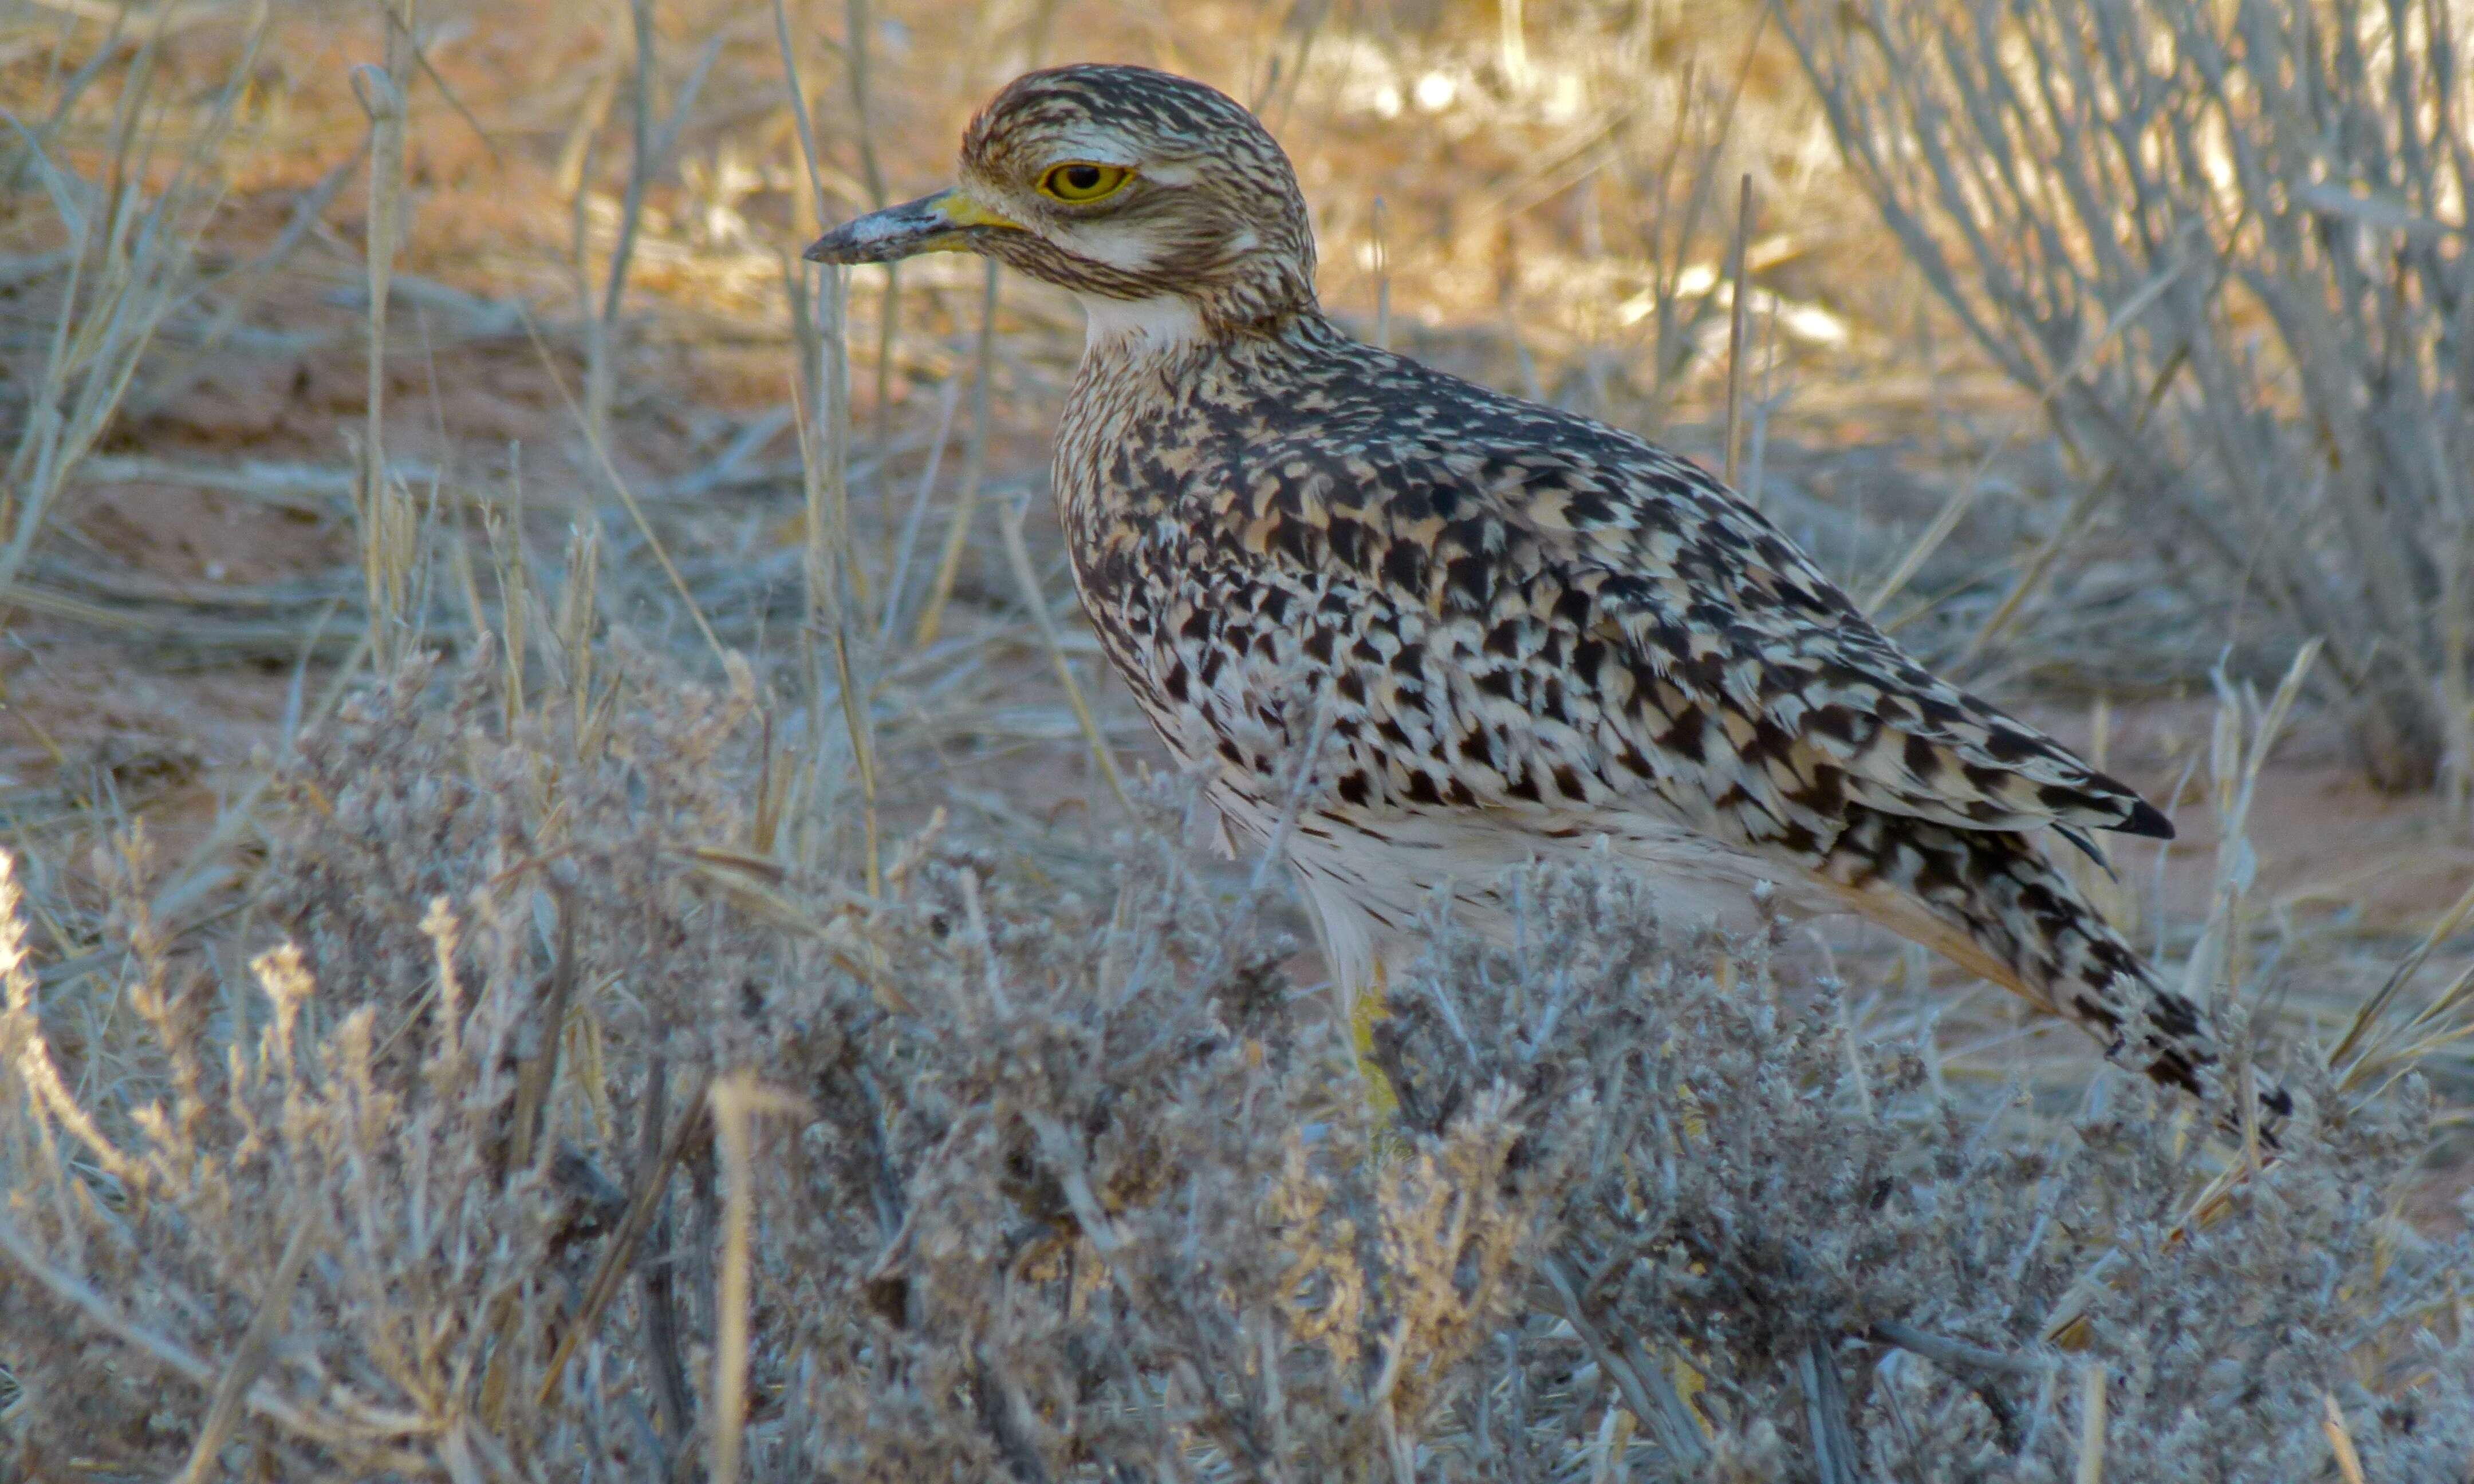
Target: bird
{"x":1419,"y":633}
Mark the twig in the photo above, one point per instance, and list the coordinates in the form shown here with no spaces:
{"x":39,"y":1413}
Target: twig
{"x":651,"y":148}
{"x":1956,"y":1355}
{"x":857,"y":54}
{"x":388,"y":533}
{"x":250,"y":1356}
{"x":653,"y":1276}
{"x":2340,"y":1439}
{"x":540,"y":1069}
{"x":1971,"y":1363}
{"x":651,"y":1183}
{"x":1002,"y":1410}
{"x":1382,"y":279}
{"x":735,"y":1100}
{"x":421,"y":56}
{"x":799,"y":112}
{"x":600,"y":321}
{"x":532,"y":1097}
{"x":949,"y":563}
{"x":1735,"y":328}
{"x":639,"y":167}
{"x":2090,"y":1469}
{"x":1009,"y":523}
{"x":856,"y":720}
{"x":907,"y":546}
{"x":1668,"y":1419}
{"x":1834,"y":1454}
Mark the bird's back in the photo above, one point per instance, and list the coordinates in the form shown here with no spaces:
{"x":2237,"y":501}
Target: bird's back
{"x":1572,"y":615}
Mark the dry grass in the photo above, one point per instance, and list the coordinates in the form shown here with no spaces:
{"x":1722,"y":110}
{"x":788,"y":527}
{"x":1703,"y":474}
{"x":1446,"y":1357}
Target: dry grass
{"x":751,"y":1010}
{"x":972,"y":1176}
{"x":2225,"y":244}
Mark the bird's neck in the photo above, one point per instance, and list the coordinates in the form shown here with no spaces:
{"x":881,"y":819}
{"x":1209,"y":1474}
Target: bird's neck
{"x":1142,"y":327}
{"x":1140,"y":331}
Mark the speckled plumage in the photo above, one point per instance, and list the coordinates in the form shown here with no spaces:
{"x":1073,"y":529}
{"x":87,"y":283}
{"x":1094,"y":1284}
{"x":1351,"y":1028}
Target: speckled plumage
{"x":1520,"y":634}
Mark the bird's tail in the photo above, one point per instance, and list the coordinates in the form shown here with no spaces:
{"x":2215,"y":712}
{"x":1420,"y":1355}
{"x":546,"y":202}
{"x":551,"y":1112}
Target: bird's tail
{"x":1992,"y":902}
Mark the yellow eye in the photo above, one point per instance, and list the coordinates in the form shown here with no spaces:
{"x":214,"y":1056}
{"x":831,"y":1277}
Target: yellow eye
{"x":1079,"y":183}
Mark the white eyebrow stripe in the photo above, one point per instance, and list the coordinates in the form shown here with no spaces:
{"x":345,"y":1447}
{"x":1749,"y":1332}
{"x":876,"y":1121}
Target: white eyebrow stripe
{"x":1094,"y":146}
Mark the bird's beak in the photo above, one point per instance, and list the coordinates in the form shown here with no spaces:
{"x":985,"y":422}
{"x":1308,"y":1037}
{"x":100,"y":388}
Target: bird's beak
{"x":947,"y":222}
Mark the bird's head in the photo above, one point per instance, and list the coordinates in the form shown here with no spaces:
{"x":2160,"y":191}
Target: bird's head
{"x":1161,"y":202}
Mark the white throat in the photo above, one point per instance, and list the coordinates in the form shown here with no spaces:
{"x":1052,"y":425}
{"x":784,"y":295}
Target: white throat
{"x":1146,"y":325}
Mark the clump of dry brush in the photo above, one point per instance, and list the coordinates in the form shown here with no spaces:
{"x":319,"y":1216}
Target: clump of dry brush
{"x":2226,"y":244}
{"x":563,"y":1127}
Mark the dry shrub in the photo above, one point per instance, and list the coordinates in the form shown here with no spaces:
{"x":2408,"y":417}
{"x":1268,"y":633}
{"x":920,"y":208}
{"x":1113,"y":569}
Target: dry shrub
{"x":1062,"y":1176}
{"x":2226,"y":243}
{"x":997,"y":1181}
{"x":1813,"y":1234}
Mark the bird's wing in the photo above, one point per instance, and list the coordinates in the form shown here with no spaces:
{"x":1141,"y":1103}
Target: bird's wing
{"x":1731,"y":620}
{"x":1524,"y":608}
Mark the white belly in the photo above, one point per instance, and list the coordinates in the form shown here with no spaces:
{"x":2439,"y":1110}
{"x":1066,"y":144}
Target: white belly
{"x":1374,"y":886}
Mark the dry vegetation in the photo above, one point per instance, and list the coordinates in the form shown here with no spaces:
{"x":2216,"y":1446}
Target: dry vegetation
{"x":579,"y":903}
{"x":2227,"y":244}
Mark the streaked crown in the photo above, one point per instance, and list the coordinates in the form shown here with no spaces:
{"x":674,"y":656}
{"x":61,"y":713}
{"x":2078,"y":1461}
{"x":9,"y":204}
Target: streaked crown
{"x":1132,"y":184}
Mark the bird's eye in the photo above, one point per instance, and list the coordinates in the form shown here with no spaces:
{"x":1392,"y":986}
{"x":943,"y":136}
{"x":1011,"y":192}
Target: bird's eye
{"x":1079,"y":183}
